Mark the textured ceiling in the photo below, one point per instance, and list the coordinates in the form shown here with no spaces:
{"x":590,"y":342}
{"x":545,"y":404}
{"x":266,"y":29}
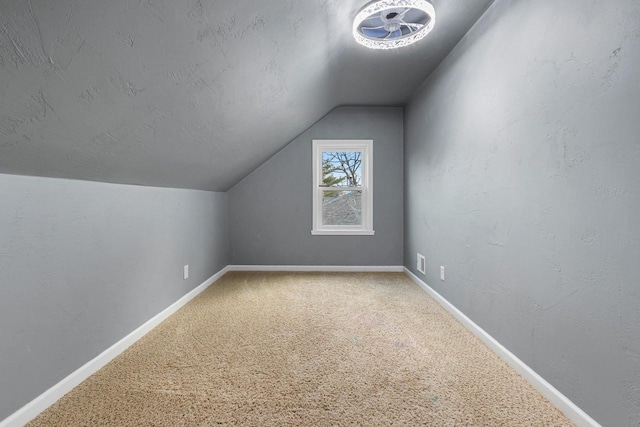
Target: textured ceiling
{"x":189,"y":93}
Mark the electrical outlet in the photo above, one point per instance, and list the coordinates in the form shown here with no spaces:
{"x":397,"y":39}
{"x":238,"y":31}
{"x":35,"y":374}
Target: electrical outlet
{"x":185,"y":272}
{"x":442,"y":273}
{"x":421,"y":264}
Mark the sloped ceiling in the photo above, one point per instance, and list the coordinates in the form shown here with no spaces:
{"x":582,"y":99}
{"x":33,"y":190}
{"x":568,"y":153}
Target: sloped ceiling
{"x":189,"y":93}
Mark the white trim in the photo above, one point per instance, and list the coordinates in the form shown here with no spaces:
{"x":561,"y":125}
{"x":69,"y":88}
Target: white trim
{"x":341,"y":188}
{"x":364,"y":146}
{"x":570,"y":409}
{"x":343,"y":232}
{"x":49,"y":397}
{"x":335,"y":268}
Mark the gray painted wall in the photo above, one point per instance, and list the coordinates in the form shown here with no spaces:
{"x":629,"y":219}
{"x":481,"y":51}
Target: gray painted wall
{"x":189,"y":93}
{"x":522,"y":163}
{"x":270,"y":209}
{"x":83,"y":264}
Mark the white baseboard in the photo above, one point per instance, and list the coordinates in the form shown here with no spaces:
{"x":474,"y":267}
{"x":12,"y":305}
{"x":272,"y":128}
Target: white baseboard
{"x":335,"y":268}
{"x":570,"y":409}
{"x":49,"y":397}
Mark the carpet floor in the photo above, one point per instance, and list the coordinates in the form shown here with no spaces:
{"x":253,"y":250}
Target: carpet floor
{"x":306,"y":349}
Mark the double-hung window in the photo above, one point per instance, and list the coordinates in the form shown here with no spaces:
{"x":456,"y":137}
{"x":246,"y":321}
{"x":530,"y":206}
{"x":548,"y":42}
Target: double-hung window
{"x":342,"y":191}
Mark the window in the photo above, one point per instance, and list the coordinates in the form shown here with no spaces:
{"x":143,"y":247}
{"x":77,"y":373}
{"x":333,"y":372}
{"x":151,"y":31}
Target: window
{"x":342,"y":193}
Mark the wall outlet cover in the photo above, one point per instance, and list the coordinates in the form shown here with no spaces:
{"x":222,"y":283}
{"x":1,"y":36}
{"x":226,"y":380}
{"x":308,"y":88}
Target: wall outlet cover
{"x":421,"y":264}
{"x":442,"y":273}
{"x":185,"y":272}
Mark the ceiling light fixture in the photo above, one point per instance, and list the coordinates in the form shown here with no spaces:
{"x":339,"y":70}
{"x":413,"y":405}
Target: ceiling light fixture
{"x":390,"y":24}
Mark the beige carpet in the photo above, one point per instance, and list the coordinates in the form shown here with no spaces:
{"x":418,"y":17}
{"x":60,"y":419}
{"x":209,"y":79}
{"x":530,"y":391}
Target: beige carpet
{"x":306,"y":349}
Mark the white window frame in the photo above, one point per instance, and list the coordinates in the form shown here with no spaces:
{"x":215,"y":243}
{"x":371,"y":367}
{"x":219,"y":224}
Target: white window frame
{"x":365,"y":146}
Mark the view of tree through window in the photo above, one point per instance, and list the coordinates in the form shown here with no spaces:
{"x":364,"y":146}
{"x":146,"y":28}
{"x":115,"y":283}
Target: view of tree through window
{"x":342,"y":206}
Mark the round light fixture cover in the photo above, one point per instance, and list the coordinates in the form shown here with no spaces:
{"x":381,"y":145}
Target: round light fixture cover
{"x":390,"y":24}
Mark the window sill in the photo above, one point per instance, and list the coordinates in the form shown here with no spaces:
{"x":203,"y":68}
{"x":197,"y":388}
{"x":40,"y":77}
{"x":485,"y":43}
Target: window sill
{"x":342,"y":232}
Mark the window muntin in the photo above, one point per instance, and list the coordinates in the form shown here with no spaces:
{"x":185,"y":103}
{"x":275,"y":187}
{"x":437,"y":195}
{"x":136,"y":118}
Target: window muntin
{"x":342,"y":202}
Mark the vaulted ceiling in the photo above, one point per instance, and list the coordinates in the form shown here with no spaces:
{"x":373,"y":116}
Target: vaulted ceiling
{"x":189,"y":93}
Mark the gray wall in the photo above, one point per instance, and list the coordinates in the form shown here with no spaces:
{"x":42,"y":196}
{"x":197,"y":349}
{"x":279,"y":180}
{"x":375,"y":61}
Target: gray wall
{"x":270,"y":209}
{"x":188,"y":93}
{"x":83,"y":264}
{"x":522,"y":177}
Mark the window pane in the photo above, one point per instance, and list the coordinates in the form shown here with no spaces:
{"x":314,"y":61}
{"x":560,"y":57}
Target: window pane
{"x":341,"y":169}
{"x":341,"y":207}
